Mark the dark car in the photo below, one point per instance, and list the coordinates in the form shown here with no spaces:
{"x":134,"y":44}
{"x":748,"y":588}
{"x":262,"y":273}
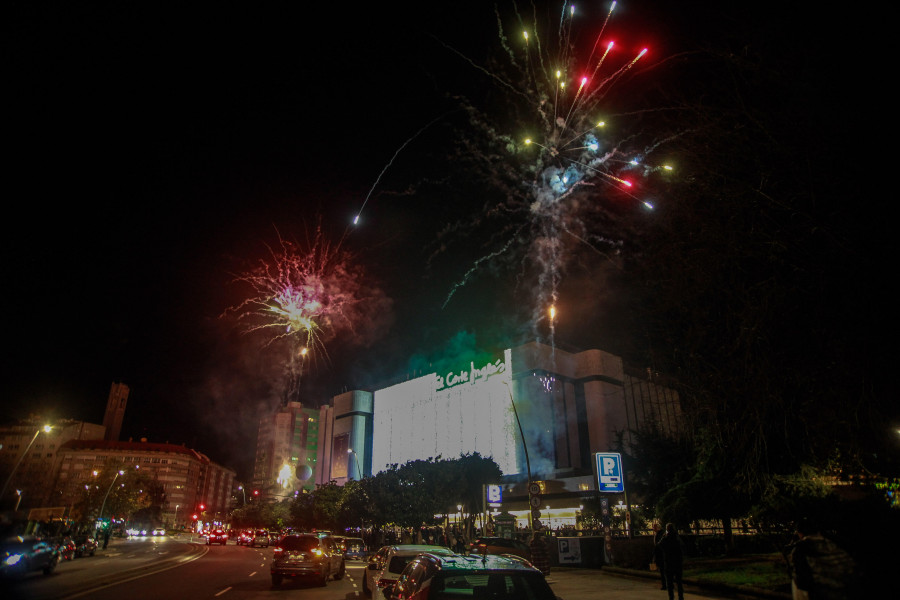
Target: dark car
{"x":354,"y":549}
{"x":22,"y":555}
{"x":433,"y":577}
{"x":499,"y":545}
{"x":85,"y":545}
{"x":65,"y":547}
{"x":217,"y":536}
{"x":260,"y":538}
{"x":307,"y":556}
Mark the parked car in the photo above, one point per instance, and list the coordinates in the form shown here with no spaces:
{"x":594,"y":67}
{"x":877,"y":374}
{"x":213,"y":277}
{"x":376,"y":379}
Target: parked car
{"x":217,"y":536}
{"x":375,"y":564}
{"x":22,"y":555}
{"x":85,"y":545}
{"x":387,"y":570}
{"x":307,"y":555}
{"x":260,"y":538}
{"x":354,"y":549}
{"x":499,"y":545}
{"x":65,"y":546}
{"x":440,"y":577}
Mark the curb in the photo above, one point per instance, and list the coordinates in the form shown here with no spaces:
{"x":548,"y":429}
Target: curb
{"x":714,"y":586}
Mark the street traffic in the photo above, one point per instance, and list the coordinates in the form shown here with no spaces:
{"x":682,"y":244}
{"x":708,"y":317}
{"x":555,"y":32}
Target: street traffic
{"x":184,"y":566}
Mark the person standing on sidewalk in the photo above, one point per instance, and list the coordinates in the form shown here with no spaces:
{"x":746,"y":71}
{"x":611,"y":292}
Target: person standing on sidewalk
{"x":658,"y":558}
{"x":673,"y":555}
{"x":540,"y":558}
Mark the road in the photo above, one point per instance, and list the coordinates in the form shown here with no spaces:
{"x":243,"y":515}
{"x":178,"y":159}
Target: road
{"x":175,"y":569}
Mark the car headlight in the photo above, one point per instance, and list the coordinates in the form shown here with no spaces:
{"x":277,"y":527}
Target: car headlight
{"x":12,"y":559}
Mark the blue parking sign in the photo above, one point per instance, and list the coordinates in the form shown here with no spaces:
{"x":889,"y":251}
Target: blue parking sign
{"x":609,"y":472}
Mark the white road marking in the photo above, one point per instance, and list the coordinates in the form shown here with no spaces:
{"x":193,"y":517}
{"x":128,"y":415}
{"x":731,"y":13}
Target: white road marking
{"x":223,"y":591}
{"x":253,"y":573}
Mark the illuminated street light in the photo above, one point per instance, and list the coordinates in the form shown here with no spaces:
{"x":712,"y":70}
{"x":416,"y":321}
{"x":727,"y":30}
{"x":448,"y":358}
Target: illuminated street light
{"x":355,"y":456}
{"x":45,"y":429}
{"x":103,"y":505}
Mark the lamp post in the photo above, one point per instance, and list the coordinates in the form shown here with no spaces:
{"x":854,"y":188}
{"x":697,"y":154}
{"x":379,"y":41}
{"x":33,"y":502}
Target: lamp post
{"x":359,"y":473}
{"x":243,"y":493}
{"x":45,"y":429}
{"x":175,"y":518}
{"x":524,"y":445}
{"x":19,"y":493}
{"x":103,"y":505}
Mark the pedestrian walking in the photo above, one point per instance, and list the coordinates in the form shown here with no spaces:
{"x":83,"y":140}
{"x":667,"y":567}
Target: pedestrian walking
{"x":673,"y":555}
{"x":659,"y":559}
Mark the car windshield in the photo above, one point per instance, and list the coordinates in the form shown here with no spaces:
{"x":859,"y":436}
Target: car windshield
{"x":303,"y":544}
{"x":496,"y":586}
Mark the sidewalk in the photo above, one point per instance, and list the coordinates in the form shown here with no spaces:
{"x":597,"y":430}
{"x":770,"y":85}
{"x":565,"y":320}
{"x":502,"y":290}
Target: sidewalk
{"x":615,"y":583}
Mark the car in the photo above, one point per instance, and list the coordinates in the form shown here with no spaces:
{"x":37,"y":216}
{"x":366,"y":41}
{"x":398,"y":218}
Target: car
{"x":495,"y":577}
{"x":158,"y":531}
{"x":368,"y":578}
{"x":385,"y":572}
{"x":217,"y":536}
{"x":499,"y":545}
{"x":260,"y":538}
{"x":307,"y":556}
{"x":85,"y":545}
{"x":65,"y":547}
{"x":244,"y":538}
{"x":354,"y":549}
{"x":21,"y":555}
{"x":340,"y":541}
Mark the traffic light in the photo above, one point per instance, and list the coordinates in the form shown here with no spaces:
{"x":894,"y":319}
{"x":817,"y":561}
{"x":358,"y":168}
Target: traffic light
{"x":256,"y":492}
{"x":194,"y":517}
{"x":202,"y":507}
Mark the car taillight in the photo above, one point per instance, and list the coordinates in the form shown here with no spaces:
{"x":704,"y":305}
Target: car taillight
{"x":277,"y":550}
{"x":382,"y":582}
{"x":317,"y":551}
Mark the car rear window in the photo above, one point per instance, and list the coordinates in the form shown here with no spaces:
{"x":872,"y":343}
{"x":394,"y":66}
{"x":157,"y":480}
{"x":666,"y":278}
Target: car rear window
{"x":493,"y":586}
{"x":398,"y":563}
{"x":303,"y":544}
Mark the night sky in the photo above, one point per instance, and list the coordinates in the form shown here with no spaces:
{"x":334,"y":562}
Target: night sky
{"x":152,"y":154}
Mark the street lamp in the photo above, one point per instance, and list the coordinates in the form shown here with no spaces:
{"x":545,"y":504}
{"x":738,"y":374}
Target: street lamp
{"x":103,"y":505}
{"x":175,"y":518}
{"x":45,"y":429}
{"x":359,"y":473}
{"x":243,"y":493}
{"x":19,"y":493}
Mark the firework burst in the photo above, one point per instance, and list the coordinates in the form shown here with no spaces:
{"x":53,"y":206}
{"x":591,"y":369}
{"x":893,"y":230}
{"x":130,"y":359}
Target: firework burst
{"x":546,"y":139}
{"x":307,"y":295}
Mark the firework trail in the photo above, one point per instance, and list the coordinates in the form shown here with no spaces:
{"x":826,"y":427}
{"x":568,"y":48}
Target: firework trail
{"x":305,"y":296}
{"x":391,"y":162}
{"x":554,"y":155}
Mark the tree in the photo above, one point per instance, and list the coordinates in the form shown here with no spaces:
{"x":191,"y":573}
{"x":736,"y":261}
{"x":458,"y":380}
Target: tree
{"x":751,"y":282}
